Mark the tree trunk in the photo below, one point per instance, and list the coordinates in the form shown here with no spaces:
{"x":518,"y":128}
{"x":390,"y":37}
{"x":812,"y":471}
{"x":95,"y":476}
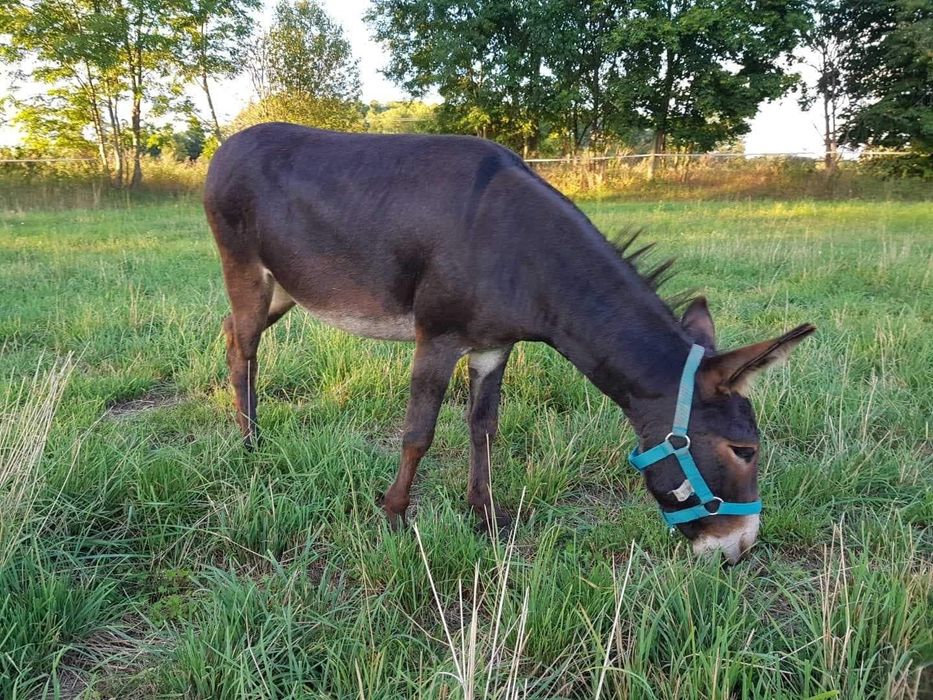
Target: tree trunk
{"x":136,"y":125}
{"x":133,"y":45}
{"x":99,"y":132}
{"x":660,"y":139}
{"x":660,"y":117}
{"x":116,"y":135}
{"x":829,"y":137}
{"x":210,"y":104}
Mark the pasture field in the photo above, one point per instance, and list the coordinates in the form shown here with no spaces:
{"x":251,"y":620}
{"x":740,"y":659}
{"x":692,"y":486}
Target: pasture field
{"x":145,"y":554}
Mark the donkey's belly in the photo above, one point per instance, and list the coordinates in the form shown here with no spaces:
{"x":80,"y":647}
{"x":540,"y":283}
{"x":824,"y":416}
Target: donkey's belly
{"x":390,"y":327}
{"x":332,"y":296}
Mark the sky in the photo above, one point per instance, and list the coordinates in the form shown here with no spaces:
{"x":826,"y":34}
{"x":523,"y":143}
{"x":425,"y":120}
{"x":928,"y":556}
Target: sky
{"x":779,"y":127}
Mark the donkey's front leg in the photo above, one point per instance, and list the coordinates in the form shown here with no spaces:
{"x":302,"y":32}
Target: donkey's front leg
{"x":486,"y":370}
{"x":435,"y":359}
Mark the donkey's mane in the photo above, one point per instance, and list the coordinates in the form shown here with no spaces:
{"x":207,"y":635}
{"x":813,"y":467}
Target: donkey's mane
{"x":653,"y":274}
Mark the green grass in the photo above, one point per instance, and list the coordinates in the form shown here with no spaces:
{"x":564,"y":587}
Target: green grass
{"x":152,"y":557}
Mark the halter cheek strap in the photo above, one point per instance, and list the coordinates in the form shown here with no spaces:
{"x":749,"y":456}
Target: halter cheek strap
{"x":709,"y":504}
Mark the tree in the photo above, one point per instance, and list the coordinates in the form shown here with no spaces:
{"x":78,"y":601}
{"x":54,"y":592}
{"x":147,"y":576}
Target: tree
{"x":303,"y":71}
{"x":824,"y":47}
{"x":484,"y":58}
{"x":695,"y":72}
{"x":103,"y":58}
{"x":323,"y":113}
{"x":145,"y":51}
{"x":579,"y":51}
{"x":305,"y":53}
{"x":213,"y":34}
{"x":692,"y":71}
{"x":65,"y":43}
{"x":887,"y":72}
{"x":93,"y":54}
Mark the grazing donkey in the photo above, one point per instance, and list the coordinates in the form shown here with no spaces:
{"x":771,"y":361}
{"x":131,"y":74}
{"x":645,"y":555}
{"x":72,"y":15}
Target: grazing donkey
{"x":453,"y":243}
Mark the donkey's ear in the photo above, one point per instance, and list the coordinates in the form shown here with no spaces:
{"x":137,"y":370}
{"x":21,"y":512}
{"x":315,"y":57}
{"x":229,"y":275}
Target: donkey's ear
{"x":698,"y":323}
{"x":732,"y":372}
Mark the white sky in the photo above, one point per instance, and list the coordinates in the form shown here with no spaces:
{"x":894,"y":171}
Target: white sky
{"x":779,"y":127}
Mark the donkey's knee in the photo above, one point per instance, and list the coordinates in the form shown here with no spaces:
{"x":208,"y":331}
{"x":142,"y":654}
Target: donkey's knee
{"x":483,"y":431}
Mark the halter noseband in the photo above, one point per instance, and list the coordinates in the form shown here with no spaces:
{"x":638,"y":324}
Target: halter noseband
{"x":641,"y":461}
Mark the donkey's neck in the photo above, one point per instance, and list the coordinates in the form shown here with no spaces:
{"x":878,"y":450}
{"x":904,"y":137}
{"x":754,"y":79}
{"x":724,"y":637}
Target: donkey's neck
{"x":602,"y":316}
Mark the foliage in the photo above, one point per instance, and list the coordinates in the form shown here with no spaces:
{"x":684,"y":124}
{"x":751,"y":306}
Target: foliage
{"x":304,"y":72}
{"x":48,"y":124}
{"x":105,"y":62}
{"x":179,"y":145}
{"x":888,"y":72}
{"x":161,"y":560}
{"x":212,"y":38}
{"x":696,"y":72}
{"x":874,"y":76}
{"x":898,"y":165}
{"x":411,"y":117}
{"x":692,"y":72}
{"x":825,"y":46}
{"x":93,"y":56}
{"x":305,"y":53}
{"x":297,"y":108}
{"x":483,"y":58}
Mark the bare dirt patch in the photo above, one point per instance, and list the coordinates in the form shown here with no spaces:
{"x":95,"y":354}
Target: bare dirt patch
{"x":162,"y":397}
{"x":113,"y":663}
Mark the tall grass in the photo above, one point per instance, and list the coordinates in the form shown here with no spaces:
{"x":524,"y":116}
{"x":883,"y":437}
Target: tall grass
{"x":26,"y":414}
{"x":689,"y":178}
{"x":157,"y":559}
{"x":25,"y":187}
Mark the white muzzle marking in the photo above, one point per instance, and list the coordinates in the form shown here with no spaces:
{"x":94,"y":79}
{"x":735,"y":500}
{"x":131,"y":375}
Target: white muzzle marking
{"x":734,"y":544}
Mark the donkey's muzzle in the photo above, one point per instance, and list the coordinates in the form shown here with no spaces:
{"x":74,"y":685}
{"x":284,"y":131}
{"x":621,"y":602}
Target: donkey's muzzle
{"x":733,"y":542}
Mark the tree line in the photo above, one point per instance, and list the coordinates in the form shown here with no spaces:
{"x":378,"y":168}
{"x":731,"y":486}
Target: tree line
{"x":549,"y":76}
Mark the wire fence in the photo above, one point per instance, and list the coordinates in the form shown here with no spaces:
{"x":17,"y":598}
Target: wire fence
{"x":715,"y":154}
{"x":48,"y":160}
{"x":590,"y":158}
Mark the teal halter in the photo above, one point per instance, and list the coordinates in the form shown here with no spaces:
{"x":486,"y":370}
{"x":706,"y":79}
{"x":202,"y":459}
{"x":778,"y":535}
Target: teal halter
{"x":641,"y":461}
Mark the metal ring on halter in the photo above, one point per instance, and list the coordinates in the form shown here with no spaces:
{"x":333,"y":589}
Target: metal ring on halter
{"x":714,"y":512}
{"x":685,"y":437}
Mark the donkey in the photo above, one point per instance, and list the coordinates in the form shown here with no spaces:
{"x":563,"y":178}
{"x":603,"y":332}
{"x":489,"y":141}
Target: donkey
{"x":454,"y":243}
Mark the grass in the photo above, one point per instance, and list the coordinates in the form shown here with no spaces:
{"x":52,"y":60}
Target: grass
{"x":27,"y":187}
{"x":710,"y":178}
{"x":152,"y":557}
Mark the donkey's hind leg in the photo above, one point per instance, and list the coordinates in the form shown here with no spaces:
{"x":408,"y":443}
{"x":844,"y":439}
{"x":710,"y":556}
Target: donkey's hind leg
{"x":251,"y":289}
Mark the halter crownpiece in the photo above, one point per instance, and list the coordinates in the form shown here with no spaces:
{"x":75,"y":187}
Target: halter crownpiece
{"x":642,"y":460}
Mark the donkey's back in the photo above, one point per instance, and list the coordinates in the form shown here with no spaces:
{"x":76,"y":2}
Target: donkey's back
{"x":366,"y":231}
{"x":376,"y":188}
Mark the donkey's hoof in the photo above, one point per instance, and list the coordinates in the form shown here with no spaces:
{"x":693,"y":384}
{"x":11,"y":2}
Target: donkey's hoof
{"x":252,"y":441}
{"x":499,"y":526}
{"x":397,"y":521}
{"x":395,"y":516}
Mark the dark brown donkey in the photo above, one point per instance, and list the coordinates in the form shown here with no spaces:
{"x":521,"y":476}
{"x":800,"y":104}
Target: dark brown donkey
{"x":452,"y":242}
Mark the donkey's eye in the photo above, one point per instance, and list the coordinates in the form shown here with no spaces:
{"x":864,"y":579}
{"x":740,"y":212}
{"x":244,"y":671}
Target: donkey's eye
{"x":746,"y":454}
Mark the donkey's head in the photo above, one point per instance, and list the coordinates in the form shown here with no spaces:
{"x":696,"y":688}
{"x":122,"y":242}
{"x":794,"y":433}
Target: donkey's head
{"x":722,"y":442}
